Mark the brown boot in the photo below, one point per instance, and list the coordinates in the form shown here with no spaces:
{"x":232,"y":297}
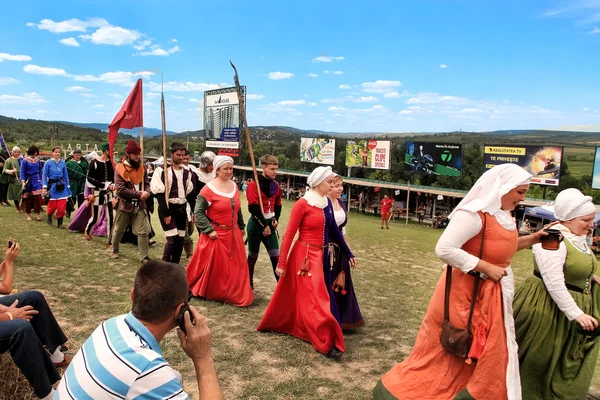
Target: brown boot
{"x":189,"y":249}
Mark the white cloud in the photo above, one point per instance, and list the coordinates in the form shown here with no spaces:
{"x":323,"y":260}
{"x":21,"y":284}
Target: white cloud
{"x":86,"y":78}
{"x":470,"y":110}
{"x":405,"y":112}
{"x":184,"y":86}
{"x":334,"y":72}
{"x":72,"y":42}
{"x":77,"y":89}
{"x":313,"y":104}
{"x":434,"y":98}
{"x":280,"y":75}
{"x":88,"y":95}
{"x":380,"y":86}
{"x":586,"y":109}
{"x":192,"y":100}
{"x":123,"y":78}
{"x":112,"y":35}
{"x":98,"y":106}
{"x":327,"y":59}
{"x":142,"y":45}
{"x":8,"y":81}
{"x":366,"y":99}
{"x":274,"y":108}
{"x":286,"y":103}
{"x":313,"y":75}
{"x":157,"y":51}
{"x":255,"y":96}
{"x":443,"y":66}
{"x":337,"y":109}
{"x":176,"y":97}
{"x":37,"y":70}
{"x":14,"y":57}
{"x":392,"y":95}
{"x":70,"y":25}
{"x":174,"y":40}
{"x":27,"y":98}
{"x":595,"y":31}
{"x":116,"y":96}
{"x":152,"y":94}
{"x":344,"y":87}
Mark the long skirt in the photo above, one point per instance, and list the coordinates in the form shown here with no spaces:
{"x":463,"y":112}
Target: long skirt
{"x":218,"y":269}
{"x":556,"y":361}
{"x":345,"y":297}
{"x":301,"y":306}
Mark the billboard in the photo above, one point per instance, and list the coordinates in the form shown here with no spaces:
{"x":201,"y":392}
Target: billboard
{"x":543,"y":162}
{"x":320,"y":151}
{"x":596,"y":170}
{"x":433,"y":158}
{"x":368,"y":154}
{"x":222,"y":110}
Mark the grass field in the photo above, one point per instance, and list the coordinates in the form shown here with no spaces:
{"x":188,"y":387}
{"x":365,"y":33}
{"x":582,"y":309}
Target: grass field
{"x":580,"y":160}
{"x":397,"y":271}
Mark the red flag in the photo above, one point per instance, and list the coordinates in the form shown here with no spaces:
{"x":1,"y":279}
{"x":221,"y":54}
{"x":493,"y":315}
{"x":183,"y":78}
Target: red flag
{"x":129,"y":116}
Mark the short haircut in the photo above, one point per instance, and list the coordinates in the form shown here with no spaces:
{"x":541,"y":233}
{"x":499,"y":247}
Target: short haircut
{"x":159,"y":287}
{"x":186,"y":152}
{"x":176,"y":146}
{"x":55,"y":147}
{"x":33,"y":150}
{"x":269,"y":159}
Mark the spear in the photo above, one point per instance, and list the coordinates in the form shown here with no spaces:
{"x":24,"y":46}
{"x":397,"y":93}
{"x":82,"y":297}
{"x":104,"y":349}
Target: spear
{"x":248,"y":140}
{"x":164,"y":139}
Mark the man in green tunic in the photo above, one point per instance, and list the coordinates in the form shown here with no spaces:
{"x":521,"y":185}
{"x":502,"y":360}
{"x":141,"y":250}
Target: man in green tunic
{"x":77,"y":169}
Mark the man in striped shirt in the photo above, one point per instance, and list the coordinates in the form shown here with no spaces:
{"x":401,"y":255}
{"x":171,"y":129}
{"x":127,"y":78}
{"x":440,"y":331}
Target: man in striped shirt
{"x":123,"y":360}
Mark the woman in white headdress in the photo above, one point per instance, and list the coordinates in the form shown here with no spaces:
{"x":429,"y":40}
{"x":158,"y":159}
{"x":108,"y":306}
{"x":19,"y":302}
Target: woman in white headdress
{"x":218,"y":270}
{"x":303,"y":304}
{"x":556,"y":309}
{"x":481,"y":223}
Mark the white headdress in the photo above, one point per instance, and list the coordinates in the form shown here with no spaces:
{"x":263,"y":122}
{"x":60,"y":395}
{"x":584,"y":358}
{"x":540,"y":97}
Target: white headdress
{"x":571,"y":203}
{"x":219,"y":161}
{"x":318,"y":176}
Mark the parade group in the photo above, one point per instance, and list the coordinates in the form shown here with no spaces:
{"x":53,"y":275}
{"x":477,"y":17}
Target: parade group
{"x":536,"y":342}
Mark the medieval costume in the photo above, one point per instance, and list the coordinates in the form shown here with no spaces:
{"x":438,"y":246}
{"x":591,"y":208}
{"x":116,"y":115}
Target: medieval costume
{"x":270,"y":193}
{"x":492,"y":371}
{"x":218,"y":269}
{"x":12,"y":168}
{"x":31,"y":181}
{"x":131,"y":181}
{"x":100,"y":178}
{"x":558,"y":361}
{"x":77,"y":175}
{"x":4,"y":178}
{"x":199,"y":179}
{"x":303,"y":304}
{"x":177,"y":210}
{"x":343,"y":288}
{"x":55,"y":179}
{"x":83,"y":215}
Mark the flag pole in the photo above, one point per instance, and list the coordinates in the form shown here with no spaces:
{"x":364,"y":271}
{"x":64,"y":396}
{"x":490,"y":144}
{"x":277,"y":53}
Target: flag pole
{"x":248,"y":140}
{"x":142,"y":136}
{"x":164,"y":139}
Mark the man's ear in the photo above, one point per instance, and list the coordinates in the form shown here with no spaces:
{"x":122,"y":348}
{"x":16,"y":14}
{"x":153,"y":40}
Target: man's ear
{"x":131,"y":295}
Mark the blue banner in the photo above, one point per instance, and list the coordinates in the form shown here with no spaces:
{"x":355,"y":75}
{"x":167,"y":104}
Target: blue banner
{"x":230,"y":134}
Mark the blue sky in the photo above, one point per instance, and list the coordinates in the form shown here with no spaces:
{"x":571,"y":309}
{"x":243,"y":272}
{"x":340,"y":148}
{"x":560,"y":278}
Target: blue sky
{"x":346,"y":66}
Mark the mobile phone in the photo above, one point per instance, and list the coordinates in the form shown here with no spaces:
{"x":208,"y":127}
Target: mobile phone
{"x":180,"y":316}
{"x":10,"y":244}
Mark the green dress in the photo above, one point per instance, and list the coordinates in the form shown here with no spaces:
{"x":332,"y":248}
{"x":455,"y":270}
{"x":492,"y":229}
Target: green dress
{"x":14,"y":184}
{"x":556,"y":361}
{"x":77,"y":173}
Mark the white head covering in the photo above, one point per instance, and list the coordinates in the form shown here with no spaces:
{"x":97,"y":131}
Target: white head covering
{"x":318,"y":176}
{"x":571,"y":203}
{"x":487,"y":192}
{"x":91,"y":155}
{"x":16,"y":148}
{"x":219,"y":161}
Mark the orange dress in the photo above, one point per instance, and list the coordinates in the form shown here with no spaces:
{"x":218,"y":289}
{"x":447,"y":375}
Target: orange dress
{"x":430,"y":372}
{"x":218,"y":269}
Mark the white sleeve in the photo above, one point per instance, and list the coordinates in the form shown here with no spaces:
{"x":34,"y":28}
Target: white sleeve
{"x":551,"y":263}
{"x":156,"y":184}
{"x":344,"y":231}
{"x":189,"y":188}
{"x":463,"y":226}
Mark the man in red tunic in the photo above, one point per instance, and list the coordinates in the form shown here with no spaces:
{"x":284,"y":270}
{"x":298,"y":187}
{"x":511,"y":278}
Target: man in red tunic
{"x":386,"y":208}
{"x":263,"y":223}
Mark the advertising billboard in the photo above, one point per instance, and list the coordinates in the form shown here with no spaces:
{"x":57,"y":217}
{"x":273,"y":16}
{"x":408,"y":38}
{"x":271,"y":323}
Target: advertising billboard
{"x":320,"y":151}
{"x":368,"y":154}
{"x":596,"y":170}
{"x":543,"y":162}
{"x":433,"y":158}
{"x":222,"y":110}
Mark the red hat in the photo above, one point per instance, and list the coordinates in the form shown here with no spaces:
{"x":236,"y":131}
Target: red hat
{"x":133,"y":147}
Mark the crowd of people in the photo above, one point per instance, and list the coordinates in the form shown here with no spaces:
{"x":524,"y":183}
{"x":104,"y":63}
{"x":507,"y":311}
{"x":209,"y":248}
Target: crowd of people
{"x":537,"y":342}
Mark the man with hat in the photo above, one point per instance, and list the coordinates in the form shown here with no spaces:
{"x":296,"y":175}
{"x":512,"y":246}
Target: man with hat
{"x":77,"y":169}
{"x":133,"y":188}
{"x":100,"y":181}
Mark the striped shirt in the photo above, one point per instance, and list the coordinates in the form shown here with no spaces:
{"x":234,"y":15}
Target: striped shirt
{"x":121,"y":360}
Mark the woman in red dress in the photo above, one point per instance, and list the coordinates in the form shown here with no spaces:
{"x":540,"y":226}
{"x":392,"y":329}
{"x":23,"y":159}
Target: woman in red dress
{"x":218,"y":269}
{"x":303,"y":304}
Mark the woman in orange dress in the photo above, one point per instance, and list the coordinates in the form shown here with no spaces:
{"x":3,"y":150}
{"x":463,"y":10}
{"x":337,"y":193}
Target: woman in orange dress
{"x":218,"y":269}
{"x":303,"y":304}
{"x":492,"y":369}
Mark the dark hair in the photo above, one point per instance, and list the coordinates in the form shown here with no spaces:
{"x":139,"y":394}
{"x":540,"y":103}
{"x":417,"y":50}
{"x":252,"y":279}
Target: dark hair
{"x":175,"y":146}
{"x":186,"y":152}
{"x":33,"y":150}
{"x":159,"y":287}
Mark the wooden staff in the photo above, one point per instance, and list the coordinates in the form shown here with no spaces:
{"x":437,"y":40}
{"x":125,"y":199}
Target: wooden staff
{"x":164,"y":141}
{"x":248,"y":140}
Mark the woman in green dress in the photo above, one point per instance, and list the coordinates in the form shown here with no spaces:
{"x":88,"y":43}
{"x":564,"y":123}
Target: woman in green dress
{"x":12,"y":169}
{"x":556,"y":310}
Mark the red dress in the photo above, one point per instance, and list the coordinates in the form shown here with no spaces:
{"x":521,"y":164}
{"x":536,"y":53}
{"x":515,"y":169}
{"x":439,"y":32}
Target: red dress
{"x":218,"y":269}
{"x":301,"y":304}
